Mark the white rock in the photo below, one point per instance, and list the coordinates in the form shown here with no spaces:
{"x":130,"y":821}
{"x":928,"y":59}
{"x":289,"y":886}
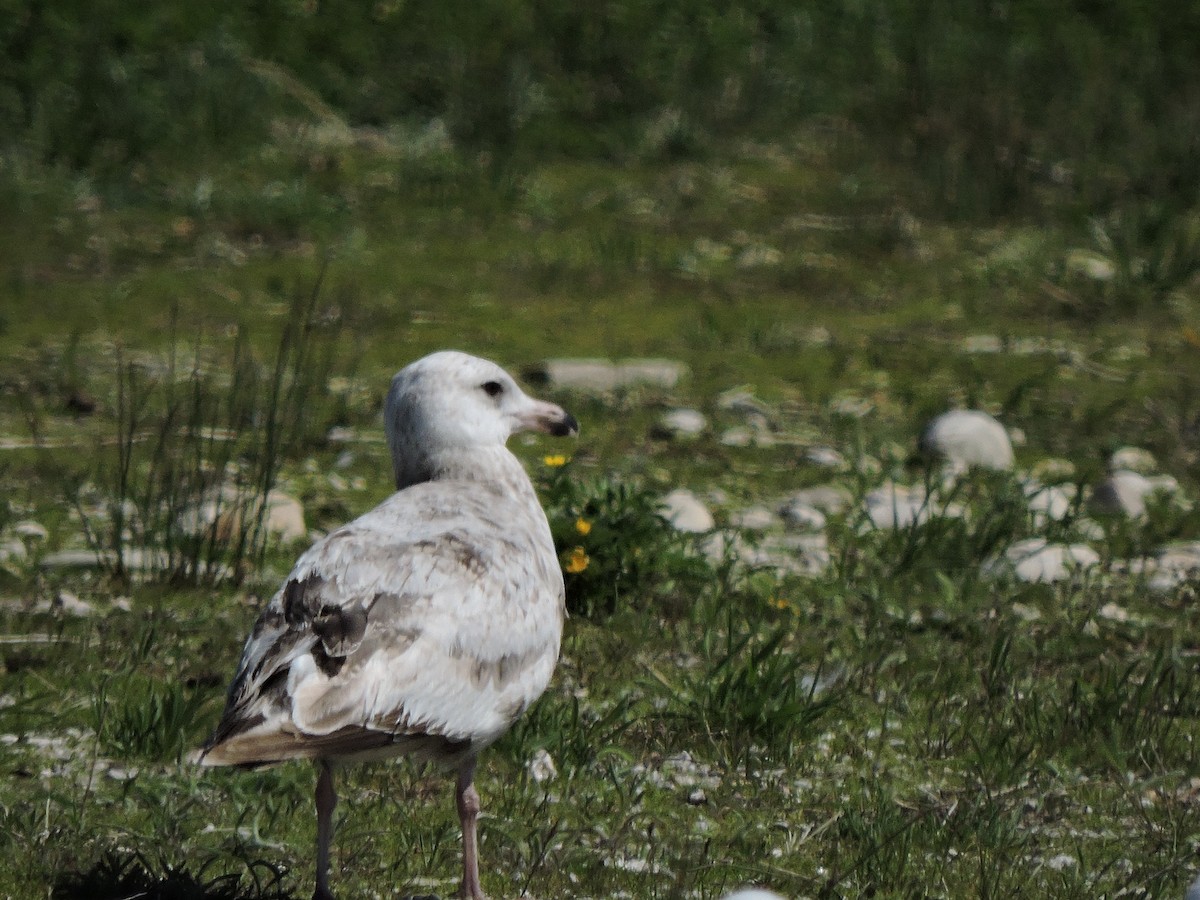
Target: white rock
{"x":788,"y":554}
{"x":72,"y":559}
{"x":13,"y":550}
{"x":966,"y":438}
{"x":541,"y":767}
{"x":602,"y":375}
{"x":851,"y":406}
{"x":1091,"y":265}
{"x":1181,"y":556}
{"x":225,"y":509}
{"x":1053,"y":470}
{"x":1062,"y":861}
{"x":981,"y":343}
{"x":741,"y":401}
{"x":896,"y":506}
{"x":825,"y":458}
{"x":1050,"y":503}
{"x":830,"y":499}
{"x":753,"y":893}
{"x":802,"y":517}
{"x":29,"y":530}
{"x":746,"y":436}
{"x":1123,"y":494}
{"x":686,"y":512}
{"x":1133,"y":459}
{"x":683,"y":423}
{"x":285,"y":517}
{"x":755,"y":518}
{"x":1036,"y":560}
{"x":70,"y":604}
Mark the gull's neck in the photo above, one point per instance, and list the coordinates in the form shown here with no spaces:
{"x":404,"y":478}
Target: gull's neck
{"x":494,"y":466}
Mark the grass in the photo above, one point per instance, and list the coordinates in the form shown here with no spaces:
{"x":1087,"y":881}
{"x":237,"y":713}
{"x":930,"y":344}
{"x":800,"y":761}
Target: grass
{"x":897,"y":725}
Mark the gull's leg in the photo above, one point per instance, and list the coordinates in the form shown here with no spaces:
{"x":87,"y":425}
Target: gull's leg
{"x":326,"y":801}
{"x":467,"y":799}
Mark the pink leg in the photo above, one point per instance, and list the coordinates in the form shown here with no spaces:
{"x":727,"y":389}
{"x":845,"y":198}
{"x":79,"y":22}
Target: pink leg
{"x":326,"y":801}
{"x":467,"y":799}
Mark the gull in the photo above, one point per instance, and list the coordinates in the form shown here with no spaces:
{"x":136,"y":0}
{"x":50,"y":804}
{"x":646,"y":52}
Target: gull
{"x":424,"y":627}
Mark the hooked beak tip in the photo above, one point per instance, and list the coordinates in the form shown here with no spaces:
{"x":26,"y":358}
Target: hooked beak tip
{"x":568,"y":425}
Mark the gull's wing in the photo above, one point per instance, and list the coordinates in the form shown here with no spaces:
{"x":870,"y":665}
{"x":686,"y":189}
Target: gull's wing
{"x":425,"y":626}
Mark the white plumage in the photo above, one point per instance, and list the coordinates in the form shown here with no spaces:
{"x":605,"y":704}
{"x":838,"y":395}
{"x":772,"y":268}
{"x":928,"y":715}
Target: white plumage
{"x":425,"y":626}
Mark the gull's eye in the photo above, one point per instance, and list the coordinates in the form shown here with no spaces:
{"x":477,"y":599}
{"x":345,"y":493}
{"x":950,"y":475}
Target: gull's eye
{"x":492,"y":388}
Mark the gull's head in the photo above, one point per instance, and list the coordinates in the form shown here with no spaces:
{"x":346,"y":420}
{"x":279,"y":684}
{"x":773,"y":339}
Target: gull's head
{"x":449,"y":402}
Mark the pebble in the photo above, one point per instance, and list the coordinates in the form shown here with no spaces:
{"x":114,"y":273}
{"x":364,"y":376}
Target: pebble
{"x":968,"y":437}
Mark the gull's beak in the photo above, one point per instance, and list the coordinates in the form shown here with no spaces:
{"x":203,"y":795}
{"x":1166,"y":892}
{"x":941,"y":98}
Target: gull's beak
{"x":549,"y":418}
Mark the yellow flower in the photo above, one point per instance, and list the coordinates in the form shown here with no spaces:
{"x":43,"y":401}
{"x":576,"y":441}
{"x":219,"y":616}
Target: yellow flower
{"x":582,"y":525}
{"x":577,"y":561}
{"x":779,"y":603}
{"x":555,"y":460}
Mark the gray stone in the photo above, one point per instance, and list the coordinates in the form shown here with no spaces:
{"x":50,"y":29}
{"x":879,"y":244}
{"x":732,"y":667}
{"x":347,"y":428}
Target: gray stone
{"x":685,"y":511}
{"x":968,"y":437}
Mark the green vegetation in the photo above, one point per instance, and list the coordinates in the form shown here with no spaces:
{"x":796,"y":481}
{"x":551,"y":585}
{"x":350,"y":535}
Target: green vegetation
{"x":224,"y":226}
